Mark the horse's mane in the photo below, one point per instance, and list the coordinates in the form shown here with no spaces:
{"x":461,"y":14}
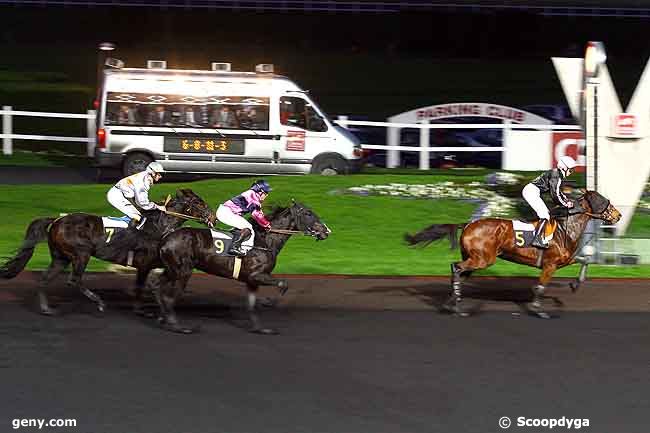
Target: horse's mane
{"x":276,"y":210}
{"x":185,"y":194}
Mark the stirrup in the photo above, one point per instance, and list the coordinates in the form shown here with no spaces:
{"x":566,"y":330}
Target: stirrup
{"x":141,"y":223}
{"x":236,"y":251}
{"x":538,"y":243}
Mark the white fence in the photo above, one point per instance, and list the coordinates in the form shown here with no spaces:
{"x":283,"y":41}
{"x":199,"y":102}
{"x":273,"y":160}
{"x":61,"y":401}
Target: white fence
{"x":508,"y":139}
{"x":7,"y":129}
{"x":393,"y":156}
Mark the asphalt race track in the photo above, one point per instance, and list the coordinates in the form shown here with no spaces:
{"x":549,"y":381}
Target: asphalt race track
{"x":353,"y":355}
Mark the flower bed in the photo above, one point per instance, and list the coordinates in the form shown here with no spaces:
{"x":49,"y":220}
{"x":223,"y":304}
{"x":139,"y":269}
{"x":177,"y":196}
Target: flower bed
{"x":490,"y":203}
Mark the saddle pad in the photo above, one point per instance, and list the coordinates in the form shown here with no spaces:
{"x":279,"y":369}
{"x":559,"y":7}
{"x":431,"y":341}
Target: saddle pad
{"x":115,"y":222}
{"x":521,"y":226}
{"x":221,"y":242}
{"x":217,"y":234}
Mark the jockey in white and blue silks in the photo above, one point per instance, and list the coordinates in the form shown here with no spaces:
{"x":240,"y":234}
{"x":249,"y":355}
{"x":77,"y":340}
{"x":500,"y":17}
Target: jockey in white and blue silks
{"x":136,"y":188}
{"x":232,"y":211}
{"x":550,"y":181}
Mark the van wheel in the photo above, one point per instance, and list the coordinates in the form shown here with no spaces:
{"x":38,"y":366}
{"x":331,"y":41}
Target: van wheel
{"x":329,"y":166}
{"x":135,"y":163}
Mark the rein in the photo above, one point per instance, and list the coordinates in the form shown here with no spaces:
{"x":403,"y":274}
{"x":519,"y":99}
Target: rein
{"x":287,"y":232}
{"x":181,"y":215}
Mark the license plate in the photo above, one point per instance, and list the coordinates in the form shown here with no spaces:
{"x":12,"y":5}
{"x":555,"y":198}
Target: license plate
{"x":204,"y":145}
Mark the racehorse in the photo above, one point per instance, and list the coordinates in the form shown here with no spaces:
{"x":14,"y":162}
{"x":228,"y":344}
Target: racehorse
{"x":483,"y":240}
{"x":76,"y":237}
{"x":189,"y":248}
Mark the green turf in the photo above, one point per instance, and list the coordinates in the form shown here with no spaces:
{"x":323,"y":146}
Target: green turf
{"x":50,"y":159}
{"x":367,"y":237}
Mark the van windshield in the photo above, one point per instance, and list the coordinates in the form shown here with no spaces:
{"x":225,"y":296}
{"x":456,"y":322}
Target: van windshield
{"x":300,"y":113}
{"x":222,"y":112}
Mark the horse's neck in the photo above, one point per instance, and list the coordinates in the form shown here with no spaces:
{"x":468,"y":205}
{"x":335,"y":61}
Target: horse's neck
{"x":168,"y":222}
{"x":575,"y":226}
{"x":275,"y":241}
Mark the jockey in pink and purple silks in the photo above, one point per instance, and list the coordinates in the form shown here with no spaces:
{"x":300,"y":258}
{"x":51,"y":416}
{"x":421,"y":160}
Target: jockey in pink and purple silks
{"x":232,"y":211}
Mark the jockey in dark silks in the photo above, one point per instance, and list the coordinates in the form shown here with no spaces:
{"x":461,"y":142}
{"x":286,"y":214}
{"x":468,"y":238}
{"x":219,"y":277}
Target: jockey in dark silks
{"x":550,"y":181}
{"x":232,"y":211}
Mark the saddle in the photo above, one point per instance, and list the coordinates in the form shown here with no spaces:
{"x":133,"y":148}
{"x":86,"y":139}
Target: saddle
{"x":525,"y":232}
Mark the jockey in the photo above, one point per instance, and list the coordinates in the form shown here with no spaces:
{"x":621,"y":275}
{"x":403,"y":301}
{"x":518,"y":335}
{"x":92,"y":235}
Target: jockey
{"x":136,"y":188}
{"x":549,"y":181}
{"x":231,"y":212}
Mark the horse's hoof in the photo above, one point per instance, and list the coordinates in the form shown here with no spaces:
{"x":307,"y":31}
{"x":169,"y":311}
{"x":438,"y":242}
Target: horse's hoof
{"x":264,"y":331}
{"x":143,"y":313}
{"x":535,"y":309}
{"x":266,"y":302}
{"x":49,"y":312}
{"x":101,"y":308}
{"x":459,"y":308}
{"x":283,"y":286}
{"x":179,"y":329}
{"x":574,"y":287}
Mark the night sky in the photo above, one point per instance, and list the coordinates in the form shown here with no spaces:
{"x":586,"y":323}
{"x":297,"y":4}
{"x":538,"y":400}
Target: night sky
{"x":360,"y":63}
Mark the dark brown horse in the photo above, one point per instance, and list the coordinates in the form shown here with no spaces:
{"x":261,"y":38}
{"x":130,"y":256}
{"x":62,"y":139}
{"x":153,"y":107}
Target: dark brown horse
{"x":76,"y":237}
{"x":484,"y":240}
{"x":189,"y":248}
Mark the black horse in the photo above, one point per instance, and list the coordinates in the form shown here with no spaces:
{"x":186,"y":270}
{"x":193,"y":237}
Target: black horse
{"x":189,"y":248}
{"x":76,"y":237}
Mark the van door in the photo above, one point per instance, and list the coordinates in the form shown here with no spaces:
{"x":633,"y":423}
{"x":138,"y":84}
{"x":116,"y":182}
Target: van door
{"x":304,"y":134}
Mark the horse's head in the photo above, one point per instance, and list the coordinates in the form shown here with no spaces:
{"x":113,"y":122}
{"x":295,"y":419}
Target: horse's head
{"x":308,"y":222}
{"x":301,"y":218}
{"x":598,"y":206}
{"x":189,"y":203}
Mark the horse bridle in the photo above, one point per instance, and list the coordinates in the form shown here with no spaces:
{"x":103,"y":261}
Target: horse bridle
{"x":308,"y":231}
{"x":605,"y":215}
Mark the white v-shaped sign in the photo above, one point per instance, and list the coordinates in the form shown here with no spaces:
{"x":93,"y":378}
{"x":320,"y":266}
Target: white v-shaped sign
{"x":623,"y":163}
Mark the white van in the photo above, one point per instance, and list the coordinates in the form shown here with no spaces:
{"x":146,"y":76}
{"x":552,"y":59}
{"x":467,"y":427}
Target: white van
{"x":216,"y":121}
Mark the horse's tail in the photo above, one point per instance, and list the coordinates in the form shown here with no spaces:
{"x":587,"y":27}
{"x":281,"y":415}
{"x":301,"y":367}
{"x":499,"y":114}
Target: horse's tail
{"x":36,"y":232}
{"x":433,"y":233}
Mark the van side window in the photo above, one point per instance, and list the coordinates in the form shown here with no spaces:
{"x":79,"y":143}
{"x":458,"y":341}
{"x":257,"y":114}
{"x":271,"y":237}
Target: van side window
{"x":186,"y":111}
{"x":300,"y":113}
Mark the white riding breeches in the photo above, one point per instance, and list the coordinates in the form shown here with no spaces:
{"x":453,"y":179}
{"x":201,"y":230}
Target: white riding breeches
{"x":227,"y":216}
{"x":532,"y":195}
{"x":119,"y":202}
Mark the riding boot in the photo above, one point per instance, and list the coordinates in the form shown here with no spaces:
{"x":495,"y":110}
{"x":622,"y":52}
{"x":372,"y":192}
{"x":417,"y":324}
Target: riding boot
{"x":236,"y":247}
{"x":538,"y":240}
{"x":136,"y":224}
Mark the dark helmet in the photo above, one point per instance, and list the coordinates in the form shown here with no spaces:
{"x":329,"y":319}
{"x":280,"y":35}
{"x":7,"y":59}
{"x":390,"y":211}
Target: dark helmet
{"x":261,"y":186}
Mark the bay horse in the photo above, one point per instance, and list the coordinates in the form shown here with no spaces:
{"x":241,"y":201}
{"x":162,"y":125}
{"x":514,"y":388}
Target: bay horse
{"x":189,"y":248}
{"x":74,"y":238}
{"x":483,"y":240}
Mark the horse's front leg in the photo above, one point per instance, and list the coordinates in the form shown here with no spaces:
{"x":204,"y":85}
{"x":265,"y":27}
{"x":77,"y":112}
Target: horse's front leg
{"x":140,"y":281}
{"x":263,"y":279}
{"x":256,"y":324}
{"x":536,"y":306}
{"x":582,"y":275}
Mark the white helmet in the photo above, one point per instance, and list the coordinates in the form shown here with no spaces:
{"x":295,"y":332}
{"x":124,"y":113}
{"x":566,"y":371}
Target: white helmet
{"x":566,"y":163}
{"x":155,"y":167}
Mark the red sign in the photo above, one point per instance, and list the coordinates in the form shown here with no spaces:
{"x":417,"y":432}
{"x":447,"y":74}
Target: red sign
{"x":296,"y":140}
{"x":570,"y":144}
{"x":625,"y":124}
